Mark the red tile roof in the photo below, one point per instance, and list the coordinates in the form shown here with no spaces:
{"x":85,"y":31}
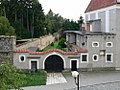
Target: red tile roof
{"x":50,"y":50}
{"x":21,"y":51}
{"x":98,"y":4}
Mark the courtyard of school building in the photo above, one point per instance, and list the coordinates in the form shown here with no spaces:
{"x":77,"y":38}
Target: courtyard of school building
{"x":107,"y":80}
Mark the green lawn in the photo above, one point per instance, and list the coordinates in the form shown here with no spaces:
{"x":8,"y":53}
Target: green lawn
{"x":56,"y":44}
{"x":35,"y":78}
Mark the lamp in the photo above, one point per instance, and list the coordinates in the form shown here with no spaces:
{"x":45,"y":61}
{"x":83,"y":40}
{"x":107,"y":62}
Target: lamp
{"x":102,"y":52}
{"x":75,"y":74}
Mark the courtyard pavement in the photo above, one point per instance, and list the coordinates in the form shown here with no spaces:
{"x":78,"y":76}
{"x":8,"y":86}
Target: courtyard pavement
{"x":55,"y":78}
{"x":88,"y":81}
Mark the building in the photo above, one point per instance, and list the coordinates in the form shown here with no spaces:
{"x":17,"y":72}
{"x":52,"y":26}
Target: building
{"x":50,"y":60}
{"x":95,"y":49}
{"x":102,"y":36}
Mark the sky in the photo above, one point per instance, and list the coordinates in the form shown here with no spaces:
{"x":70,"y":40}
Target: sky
{"x":70,"y":9}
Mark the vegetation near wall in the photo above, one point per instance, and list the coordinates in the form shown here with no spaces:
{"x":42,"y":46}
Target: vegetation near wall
{"x":10,"y":77}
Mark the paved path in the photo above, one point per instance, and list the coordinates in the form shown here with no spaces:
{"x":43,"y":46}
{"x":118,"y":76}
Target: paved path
{"x":102,"y":86}
{"x":90,"y":78}
{"x":70,"y":84}
{"x":54,"y":78}
{"x":94,"y":80}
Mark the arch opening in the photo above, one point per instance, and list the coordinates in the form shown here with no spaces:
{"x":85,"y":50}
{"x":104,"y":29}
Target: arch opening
{"x":54,"y":63}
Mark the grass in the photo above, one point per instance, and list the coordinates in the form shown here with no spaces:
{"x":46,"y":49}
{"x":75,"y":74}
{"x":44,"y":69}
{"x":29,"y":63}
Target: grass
{"x":35,"y":78}
{"x":54,"y":45}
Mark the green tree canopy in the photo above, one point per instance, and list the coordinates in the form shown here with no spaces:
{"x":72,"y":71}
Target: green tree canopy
{"x":5,"y":27}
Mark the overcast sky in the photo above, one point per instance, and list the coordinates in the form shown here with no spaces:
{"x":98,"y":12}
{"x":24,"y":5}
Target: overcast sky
{"x":71,"y":9}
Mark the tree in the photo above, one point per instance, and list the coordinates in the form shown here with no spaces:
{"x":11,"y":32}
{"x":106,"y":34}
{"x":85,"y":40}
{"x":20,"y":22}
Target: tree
{"x":54,"y":22}
{"x":39,"y":21}
{"x":10,"y":77}
{"x":81,"y":21}
{"x":5,"y":27}
{"x":70,"y":25}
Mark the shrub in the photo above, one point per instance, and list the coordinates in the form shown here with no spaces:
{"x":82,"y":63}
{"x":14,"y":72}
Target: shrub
{"x":61,"y":43}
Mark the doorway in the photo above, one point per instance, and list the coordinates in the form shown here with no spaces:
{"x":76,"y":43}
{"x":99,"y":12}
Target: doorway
{"x":73,"y":65}
{"x":34,"y":66}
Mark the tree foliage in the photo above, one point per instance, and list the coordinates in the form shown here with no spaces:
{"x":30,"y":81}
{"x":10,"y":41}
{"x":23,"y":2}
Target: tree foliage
{"x":5,"y":27}
{"x":10,"y":77}
{"x":29,"y":20}
{"x":54,"y":22}
{"x":80,"y":22}
{"x":27,"y":14}
{"x":70,"y":25}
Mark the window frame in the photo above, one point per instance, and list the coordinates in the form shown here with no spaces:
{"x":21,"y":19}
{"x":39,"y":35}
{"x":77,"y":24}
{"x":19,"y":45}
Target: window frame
{"x":93,"y":57}
{"x":93,"y":44}
{"x":109,"y":42}
{"x":20,"y":58}
{"x":34,"y":60}
{"x":111,"y":57}
{"x":87,"y":58}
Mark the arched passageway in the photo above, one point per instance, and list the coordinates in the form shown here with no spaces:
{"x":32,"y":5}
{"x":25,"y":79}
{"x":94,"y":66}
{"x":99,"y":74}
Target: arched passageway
{"x":54,"y":63}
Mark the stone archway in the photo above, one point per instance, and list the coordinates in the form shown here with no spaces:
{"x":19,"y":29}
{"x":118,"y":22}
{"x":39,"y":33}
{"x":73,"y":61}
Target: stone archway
{"x":54,"y":63}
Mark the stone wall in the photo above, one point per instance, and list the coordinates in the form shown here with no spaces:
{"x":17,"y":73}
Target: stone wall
{"x":45,"y":41}
{"x":41,"y":42}
{"x":7,"y":44}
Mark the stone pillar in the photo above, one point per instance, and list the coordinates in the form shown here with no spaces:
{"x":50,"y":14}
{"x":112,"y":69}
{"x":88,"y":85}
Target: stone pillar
{"x":7,"y":44}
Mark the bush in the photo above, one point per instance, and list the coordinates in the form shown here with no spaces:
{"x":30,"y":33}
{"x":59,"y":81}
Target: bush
{"x":10,"y":77}
{"x":61,"y":43}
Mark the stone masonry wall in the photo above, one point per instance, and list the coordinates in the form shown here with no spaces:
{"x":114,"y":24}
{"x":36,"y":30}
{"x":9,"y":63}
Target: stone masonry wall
{"x":41,"y":42}
{"x":7,"y":44}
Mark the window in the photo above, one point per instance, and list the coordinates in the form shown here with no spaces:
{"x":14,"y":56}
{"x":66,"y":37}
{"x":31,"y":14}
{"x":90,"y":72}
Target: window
{"x":109,"y":57}
{"x":109,"y":44}
{"x":95,"y":44}
{"x":84,"y":57}
{"x":95,"y":57}
{"x":22,"y":58}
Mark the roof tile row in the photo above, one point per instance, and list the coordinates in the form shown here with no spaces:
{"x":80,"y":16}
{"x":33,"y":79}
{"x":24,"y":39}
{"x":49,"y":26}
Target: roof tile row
{"x":98,"y":4}
{"x":50,"y":50}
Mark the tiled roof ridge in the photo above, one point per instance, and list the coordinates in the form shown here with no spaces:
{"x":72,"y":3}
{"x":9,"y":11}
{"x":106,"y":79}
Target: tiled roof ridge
{"x":50,"y":50}
{"x":98,"y":4}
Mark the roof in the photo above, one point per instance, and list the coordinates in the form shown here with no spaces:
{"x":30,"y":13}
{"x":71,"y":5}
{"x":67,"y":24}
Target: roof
{"x":99,"y":33}
{"x":71,"y":31}
{"x":98,"y":4}
{"x":51,"y":50}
